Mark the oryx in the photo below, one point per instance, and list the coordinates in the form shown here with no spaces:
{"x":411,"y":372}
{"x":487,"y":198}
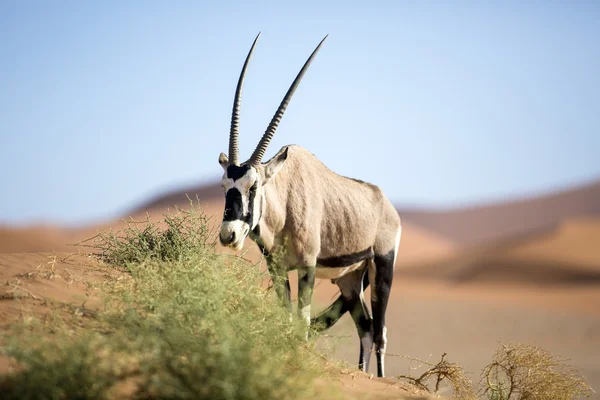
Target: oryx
{"x":330,"y":226}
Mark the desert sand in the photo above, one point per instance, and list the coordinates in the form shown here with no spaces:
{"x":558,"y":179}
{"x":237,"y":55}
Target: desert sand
{"x":538,"y":286}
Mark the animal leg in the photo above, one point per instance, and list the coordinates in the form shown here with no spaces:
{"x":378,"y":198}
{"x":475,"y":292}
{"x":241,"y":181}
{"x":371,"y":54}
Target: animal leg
{"x":306,"y":284}
{"x":381,"y":275}
{"x":328,"y":317}
{"x":281,"y":283}
{"x":352,"y":289}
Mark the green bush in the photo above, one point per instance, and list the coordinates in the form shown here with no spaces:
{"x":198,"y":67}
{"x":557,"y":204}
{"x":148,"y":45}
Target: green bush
{"x":184,"y":323}
{"x":185,"y":234}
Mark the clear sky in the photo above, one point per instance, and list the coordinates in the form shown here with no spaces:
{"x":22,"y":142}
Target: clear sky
{"x":103,"y":104}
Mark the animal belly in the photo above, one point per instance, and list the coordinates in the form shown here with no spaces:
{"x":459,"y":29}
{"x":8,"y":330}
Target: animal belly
{"x":336,"y":272}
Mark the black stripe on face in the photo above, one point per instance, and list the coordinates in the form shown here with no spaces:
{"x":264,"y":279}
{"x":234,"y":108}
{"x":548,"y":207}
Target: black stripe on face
{"x":234,"y":209}
{"x":234,"y":172}
{"x":251,"y":196}
{"x":346,"y":260}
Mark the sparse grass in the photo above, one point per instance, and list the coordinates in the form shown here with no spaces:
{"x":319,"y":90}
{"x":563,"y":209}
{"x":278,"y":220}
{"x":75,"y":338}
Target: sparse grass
{"x":523,"y":372}
{"x":441,"y":375}
{"x":187,"y":324}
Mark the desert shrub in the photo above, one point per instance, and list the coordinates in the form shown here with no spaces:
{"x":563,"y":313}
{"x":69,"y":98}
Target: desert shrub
{"x":58,"y":370}
{"x":517,"y":372}
{"x":524,"y":372}
{"x":183,"y":323}
{"x":179,"y":235}
{"x":442,"y":374}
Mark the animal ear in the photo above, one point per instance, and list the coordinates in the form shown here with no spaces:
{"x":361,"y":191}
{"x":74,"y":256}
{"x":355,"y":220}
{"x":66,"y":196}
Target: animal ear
{"x":273,"y":166}
{"x":223,"y":160}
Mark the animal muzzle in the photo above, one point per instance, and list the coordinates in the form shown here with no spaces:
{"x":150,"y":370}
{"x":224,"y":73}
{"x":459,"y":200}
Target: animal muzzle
{"x":233,"y":234}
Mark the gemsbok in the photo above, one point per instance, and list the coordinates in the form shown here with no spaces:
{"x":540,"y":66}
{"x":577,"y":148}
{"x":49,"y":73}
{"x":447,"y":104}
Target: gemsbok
{"x":328,"y":226}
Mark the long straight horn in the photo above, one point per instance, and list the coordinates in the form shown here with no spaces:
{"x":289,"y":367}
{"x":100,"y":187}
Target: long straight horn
{"x":259,"y":152}
{"x":235,"y":113}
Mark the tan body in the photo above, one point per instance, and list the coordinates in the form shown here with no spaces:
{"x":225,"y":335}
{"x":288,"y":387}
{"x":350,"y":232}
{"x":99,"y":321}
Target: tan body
{"x":321,"y":214}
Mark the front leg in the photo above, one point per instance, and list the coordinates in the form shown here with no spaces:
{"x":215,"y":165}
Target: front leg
{"x":282,"y":286}
{"x":306,"y":284}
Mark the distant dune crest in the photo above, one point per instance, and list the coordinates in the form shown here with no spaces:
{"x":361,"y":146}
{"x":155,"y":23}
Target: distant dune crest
{"x":555,"y":235}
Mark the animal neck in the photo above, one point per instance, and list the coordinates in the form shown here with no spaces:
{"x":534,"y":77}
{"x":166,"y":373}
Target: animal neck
{"x":273,"y":207}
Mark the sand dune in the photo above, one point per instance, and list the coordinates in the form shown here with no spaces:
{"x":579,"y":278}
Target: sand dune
{"x":417,"y":245}
{"x":576,"y":241}
{"x":540,"y":285}
{"x":567,"y":254}
{"x":35,"y":281}
{"x":498,"y":221}
{"x":564,"y":252}
{"x":34,"y":239}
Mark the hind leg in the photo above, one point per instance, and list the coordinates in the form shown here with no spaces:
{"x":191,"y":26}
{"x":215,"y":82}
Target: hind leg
{"x":328,"y":317}
{"x":381,"y":275}
{"x":352,"y":288}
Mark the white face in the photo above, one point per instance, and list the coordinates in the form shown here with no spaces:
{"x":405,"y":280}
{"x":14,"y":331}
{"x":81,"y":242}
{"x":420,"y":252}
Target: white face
{"x":241,"y":200}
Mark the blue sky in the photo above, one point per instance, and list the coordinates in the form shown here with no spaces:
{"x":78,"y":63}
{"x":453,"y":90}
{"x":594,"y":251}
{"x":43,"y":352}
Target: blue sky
{"x":103,"y":104}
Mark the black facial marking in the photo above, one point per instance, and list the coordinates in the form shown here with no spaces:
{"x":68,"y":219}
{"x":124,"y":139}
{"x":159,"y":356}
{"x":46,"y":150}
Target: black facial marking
{"x":233,"y":205}
{"x":251,"y":197}
{"x":234,"y":209}
{"x":345,"y":260}
{"x":234,"y":172}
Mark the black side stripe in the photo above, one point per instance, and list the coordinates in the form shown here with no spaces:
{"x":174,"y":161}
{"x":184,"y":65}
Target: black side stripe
{"x":346,"y":260}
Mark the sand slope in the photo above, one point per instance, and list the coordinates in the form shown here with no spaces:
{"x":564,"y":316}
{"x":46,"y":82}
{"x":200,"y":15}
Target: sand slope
{"x":539,"y":284}
{"x":566,"y":254}
{"x":33,"y":238}
{"x":501,"y":220}
{"x":575,"y":240}
{"x":36,"y":283}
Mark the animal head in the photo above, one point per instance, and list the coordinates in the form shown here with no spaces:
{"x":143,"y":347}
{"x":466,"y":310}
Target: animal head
{"x":242,"y":182}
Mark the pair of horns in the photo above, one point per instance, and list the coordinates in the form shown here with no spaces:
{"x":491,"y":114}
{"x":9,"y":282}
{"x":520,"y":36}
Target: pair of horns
{"x":259,"y":152}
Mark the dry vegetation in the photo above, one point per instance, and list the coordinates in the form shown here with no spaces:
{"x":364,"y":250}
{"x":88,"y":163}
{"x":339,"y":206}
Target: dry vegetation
{"x":441,"y":374}
{"x":523,"y":372}
{"x":517,"y":372}
{"x":183,"y":321}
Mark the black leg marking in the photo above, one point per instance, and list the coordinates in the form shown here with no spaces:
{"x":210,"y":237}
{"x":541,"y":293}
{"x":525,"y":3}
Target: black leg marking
{"x":306,"y":284}
{"x":384,"y":274}
{"x":281,"y":283}
{"x":330,"y":316}
{"x":352,"y":287}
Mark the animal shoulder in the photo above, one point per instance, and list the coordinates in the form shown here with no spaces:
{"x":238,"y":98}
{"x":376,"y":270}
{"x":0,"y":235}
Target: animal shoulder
{"x":301,"y":152}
